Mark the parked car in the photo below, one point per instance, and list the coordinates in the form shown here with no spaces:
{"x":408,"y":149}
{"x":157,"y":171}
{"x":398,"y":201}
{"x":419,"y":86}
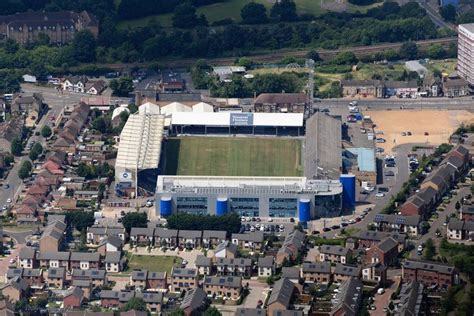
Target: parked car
{"x":389,"y":173}
{"x":380,"y":140}
{"x":379,"y":194}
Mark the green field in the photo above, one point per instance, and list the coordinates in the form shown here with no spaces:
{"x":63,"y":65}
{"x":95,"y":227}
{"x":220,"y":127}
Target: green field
{"x":226,"y":156}
{"x":231,"y":9}
{"x":153,"y":263}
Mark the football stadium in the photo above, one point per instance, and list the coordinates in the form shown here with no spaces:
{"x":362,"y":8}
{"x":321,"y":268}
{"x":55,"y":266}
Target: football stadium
{"x":214,"y":163}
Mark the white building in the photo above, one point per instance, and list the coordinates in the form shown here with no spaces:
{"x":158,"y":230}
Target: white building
{"x":465,"y":65}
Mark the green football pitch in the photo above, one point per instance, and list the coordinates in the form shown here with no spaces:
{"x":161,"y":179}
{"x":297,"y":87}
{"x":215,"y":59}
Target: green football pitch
{"x":231,"y":156}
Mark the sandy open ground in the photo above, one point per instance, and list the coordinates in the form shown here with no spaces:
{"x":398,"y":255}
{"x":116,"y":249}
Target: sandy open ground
{"x":439,"y":124}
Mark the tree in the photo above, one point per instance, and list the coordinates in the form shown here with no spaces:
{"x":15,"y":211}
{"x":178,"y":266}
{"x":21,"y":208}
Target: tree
{"x":457,"y":206}
{"x":16,"y":146}
{"x":80,"y":220}
{"x":448,"y":12}
{"x":46,"y":131}
{"x":135,"y":303}
{"x":122,"y":87}
{"x":436,"y":51}
{"x":83,"y":46}
{"x":212,"y":311}
{"x":284,"y":10}
{"x":36,"y":151}
{"x":408,"y":50}
{"x":314,"y":55}
{"x":136,"y":219}
{"x":185,"y":16}
{"x":253,"y":13}
{"x":43,"y":39}
{"x":25,"y":170}
{"x":430,"y":249}
{"x":345,"y":58}
{"x":102,"y":125}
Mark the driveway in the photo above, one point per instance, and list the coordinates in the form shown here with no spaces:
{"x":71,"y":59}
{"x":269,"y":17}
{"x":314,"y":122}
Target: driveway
{"x":383,"y":300}
{"x":5,"y":261}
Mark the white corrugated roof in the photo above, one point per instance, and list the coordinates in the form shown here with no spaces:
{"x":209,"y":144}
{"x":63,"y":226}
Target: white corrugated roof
{"x":175,"y":107}
{"x":140,"y":142}
{"x":203,"y":107}
{"x":224,"y":118}
{"x":149,"y":108}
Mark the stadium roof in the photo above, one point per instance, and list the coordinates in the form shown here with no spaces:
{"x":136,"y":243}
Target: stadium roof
{"x":140,"y":142}
{"x":237,"y":119}
{"x":175,"y":107}
{"x":149,"y":108}
{"x":203,"y":107}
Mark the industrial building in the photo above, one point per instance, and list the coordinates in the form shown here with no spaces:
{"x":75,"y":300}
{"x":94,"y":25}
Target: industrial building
{"x":139,"y":153}
{"x":279,"y":197}
{"x":465,"y":66}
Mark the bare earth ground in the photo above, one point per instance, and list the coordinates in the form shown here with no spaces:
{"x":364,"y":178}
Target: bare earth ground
{"x":439,"y":124}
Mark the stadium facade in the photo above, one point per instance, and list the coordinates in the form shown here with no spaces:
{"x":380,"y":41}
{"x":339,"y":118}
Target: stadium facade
{"x":276,"y":197}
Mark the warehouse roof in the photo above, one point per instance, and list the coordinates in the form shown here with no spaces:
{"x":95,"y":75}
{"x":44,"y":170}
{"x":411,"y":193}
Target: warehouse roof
{"x":237,"y":119}
{"x":140,"y":142}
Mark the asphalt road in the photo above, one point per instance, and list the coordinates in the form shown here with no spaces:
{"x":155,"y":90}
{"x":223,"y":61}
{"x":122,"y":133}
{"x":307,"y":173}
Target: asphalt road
{"x":463,"y":103}
{"x":56,"y":102}
{"x":20,"y":237}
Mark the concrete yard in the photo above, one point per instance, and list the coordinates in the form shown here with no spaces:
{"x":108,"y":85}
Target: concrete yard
{"x":439,"y":124}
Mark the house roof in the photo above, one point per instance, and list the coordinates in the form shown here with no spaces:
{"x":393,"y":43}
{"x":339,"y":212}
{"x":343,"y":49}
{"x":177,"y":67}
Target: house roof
{"x":317,"y":267}
{"x":150,"y":297}
{"x":290,"y":273}
{"x":349,"y":297}
{"x":113,"y":256}
{"x":413,"y":220}
{"x":349,"y":270}
{"x":286,"y":312}
{"x":122,"y":296}
{"x":74,"y":291}
{"x":85,"y":256}
{"x":135,"y":312}
{"x":214,"y":234}
{"x":334,"y":250}
{"x":58,"y":273}
{"x":226,"y":245}
{"x":18,"y":284}
{"x":237,"y":262}
{"x":225,"y":281}
{"x":56,"y":255}
{"x":282,"y":292}
{"x":281,"y":98}
{"x":455,"y":224}
{"x":266,"y":262}
{"x":82,"y":283}
{"x":156,"y":275}
{"x":387,"y":244}
{"x":203,"y":261}
{"x":165,"y":233}
{"x":87,"y":313}
{"x":14,"y":272}
{"x":455,"y":83}
{"x":146,"y":231}
{"x":29,"y":273}
{"x":183,"y":272}
{"x":140,"y":275}
{"x":193,"y":299}
{"x":189,"y":234}
{"x":94,"y":274}
{"x":246,"y":311}
{"x":27,"y":253}
{"x":113,"y":240}
{"x":428,"y":266}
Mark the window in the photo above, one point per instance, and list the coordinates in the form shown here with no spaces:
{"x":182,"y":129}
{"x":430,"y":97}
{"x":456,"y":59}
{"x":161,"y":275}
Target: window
{"x":282,"y":207}
{"x":245,"y":206}
{"x":192,"y":205}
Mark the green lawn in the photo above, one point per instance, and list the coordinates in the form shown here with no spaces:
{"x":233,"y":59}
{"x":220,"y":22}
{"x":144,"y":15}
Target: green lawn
{"x":152,"y":263}
{"x":226,"y":156}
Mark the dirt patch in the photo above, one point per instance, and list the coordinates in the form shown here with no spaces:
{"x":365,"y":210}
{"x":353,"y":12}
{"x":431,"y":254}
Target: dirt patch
{"x":439,"y":124}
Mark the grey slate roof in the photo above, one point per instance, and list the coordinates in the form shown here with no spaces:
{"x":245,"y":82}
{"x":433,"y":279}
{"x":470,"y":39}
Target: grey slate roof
{"x":122,"y":296}
{"x":56,"y":273}
{"x":85,"y":256}
{"x":94,"y":274}
{"x":113,"y":240}
{"x":14,"y":272}
{"x":144,"y":231}
{"x":282,"y":292}
{"x":156,"y":275}
{"x":189,"y":234}
{"x":151,"y":297}
{"x":237,"y":262}
{"x":176,"y":272}
{"x":349,"y":297}
{"x":193,"y":299}
{"x":455,"y":224}
{"x":97,"y":230}
{"x":413,"y":220}
{"x":30,"y":273}
{"x":27,"y":253}
{"x":165,"y":233}
{"x":317,"y":267}
{"x":82,"y":283}
{"x":265,"y":262}
{"x":203,"y":261}
{"x":349,"y":270}
{"x":245,"y":311}
{"x":58,"y":255}
{"x":226,"y":245}
{"x":112,"y":257}
{"x":428,"y":266}
{"x":18,"y":283}
{"x":139,"y":275}
{"x":387,"y":244}
{"x":286,"y":312}
{"x":219,"y":234}
{"x":411,"y":297}
{"x":334,"y":250}
{"x":225,"y":281}
{"x":290,"y":273}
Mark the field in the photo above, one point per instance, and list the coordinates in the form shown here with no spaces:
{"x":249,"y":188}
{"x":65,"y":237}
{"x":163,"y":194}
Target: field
{"x":231,"y":9}
{"x":153,"y":263}
{"x":438,"y":124}
{"x":226,"y":156}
